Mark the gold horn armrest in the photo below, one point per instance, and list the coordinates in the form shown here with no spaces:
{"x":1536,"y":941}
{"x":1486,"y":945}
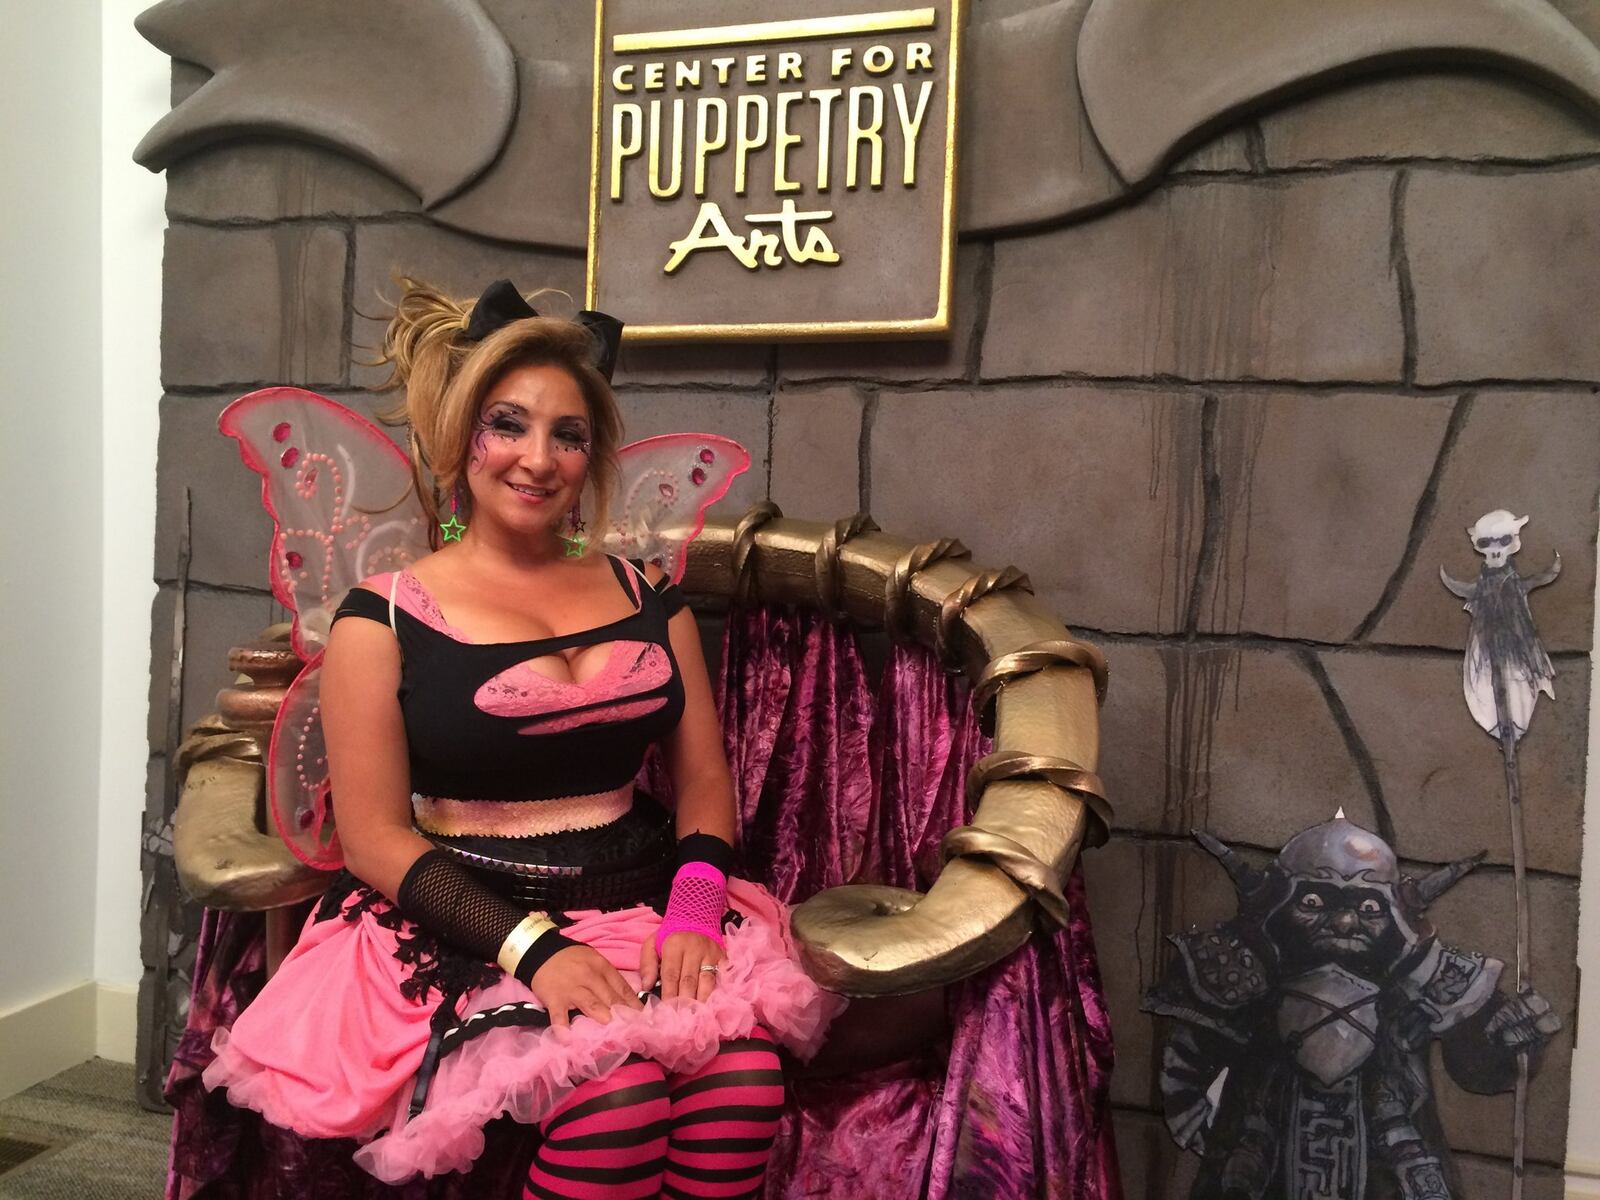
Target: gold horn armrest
{"x":223,"y":860}
{"x":224,"y":856}
{"x":867,"y":940}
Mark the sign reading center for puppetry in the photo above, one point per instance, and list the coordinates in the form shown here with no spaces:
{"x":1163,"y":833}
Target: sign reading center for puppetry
{"x":765,"y":176}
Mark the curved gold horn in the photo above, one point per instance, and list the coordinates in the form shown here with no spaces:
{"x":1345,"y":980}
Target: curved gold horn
{"x":1155,"y":74}
{"x":1040,"y":800}
{"x":225,"y":855}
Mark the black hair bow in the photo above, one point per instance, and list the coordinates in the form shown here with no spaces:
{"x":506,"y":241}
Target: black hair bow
{"x":502,"y":304}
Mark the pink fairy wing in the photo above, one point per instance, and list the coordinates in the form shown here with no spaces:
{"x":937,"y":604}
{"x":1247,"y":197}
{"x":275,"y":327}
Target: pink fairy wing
{"x":339,"y":494}
{"x":666,"y":485}
{"x":298,"y":795}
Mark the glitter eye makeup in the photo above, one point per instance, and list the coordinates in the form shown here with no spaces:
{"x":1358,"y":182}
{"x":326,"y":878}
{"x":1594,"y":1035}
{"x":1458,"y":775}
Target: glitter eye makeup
{"x":573,"y":439}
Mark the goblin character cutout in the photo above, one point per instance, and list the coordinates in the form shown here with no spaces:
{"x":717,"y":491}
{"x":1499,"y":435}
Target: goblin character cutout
{"x":1295,"y":1059}
{"x":1506,"y":666}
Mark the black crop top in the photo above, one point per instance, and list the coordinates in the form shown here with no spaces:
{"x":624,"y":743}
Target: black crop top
{"x":481,"y":724}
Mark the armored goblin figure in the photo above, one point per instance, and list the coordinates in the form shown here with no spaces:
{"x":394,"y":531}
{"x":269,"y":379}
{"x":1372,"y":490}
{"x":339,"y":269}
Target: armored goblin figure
{"x":1295,"y":1061}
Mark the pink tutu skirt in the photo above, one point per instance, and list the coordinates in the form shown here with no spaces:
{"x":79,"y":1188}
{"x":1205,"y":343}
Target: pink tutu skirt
{"x":332,"y":1045}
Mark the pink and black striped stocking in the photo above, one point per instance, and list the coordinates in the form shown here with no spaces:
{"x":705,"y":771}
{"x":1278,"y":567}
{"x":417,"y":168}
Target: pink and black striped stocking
{"x":606,"y":1141}
{"x":723,"y":1119}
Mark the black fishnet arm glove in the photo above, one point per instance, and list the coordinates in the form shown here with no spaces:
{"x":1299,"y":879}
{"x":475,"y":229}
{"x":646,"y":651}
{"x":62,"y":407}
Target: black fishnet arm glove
{"x":440,"y":893}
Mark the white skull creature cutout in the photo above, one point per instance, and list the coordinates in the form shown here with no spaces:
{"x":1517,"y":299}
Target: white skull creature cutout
{"x":1497,"y":536}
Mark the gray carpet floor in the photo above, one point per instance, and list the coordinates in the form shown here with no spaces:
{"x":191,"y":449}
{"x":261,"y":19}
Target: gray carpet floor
{"x":103,"y":1146}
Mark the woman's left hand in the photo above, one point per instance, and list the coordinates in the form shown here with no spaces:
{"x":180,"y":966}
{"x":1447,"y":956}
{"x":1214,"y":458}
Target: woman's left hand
{"x":681,"y":966}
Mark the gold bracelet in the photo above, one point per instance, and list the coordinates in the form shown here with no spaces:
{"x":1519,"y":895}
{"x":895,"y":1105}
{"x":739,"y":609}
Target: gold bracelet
{"x":521,"y":939}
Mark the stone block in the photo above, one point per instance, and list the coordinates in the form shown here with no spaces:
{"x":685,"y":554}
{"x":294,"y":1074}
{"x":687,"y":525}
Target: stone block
{"x":1480,"y":914}
{"x":1139,"y":892}
{"x":1506,"y":271}
{"x":216,"y":621}
{"x":1095,"y":494}
{"x":1028,"y":153}
{"x":728,"y":364}
{"x":1208,"y":279}
{"x":1153,"y":1168}
{"x":558,"y":32}
{"x":537,"y":190}
{"x":1318,"y":494}
{"x":1237,"y":741}
{"x":1442,"y":776}
{"x":230,"y":532}
{"x":269,"y":181}
{"x":187,"y":78}
{"x":253,"y":306}
{"x":1481,"y":1176}
{"x":1227,"y":153}
{"x":816,"y":452}
{"x":456,"y":262}
{"x":740,"y":416}
{"x":946,"y":358}
{"x":1427,"y":116}
{"x":1540,"y":455}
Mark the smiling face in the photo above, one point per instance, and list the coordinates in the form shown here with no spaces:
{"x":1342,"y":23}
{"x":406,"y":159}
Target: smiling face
{"x":529,"y":456}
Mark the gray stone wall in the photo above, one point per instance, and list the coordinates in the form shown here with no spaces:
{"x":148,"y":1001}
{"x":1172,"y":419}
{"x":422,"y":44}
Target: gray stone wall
{"x":1231,"y":429}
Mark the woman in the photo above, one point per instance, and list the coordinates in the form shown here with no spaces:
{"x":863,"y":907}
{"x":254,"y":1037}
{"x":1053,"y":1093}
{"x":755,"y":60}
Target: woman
{"x":493,"y":947}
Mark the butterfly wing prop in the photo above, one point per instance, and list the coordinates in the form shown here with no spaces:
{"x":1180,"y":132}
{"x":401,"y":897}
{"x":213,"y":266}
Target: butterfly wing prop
{"x":667,"y":483}
{"x":298,"y":794}
{"x":339,"y":494}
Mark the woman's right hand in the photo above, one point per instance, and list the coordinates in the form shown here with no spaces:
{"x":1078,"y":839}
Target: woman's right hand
{"x":580,"y":978}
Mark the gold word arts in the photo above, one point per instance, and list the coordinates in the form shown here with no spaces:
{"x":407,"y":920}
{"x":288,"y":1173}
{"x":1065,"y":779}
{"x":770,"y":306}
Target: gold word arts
{"x":760,"y":248}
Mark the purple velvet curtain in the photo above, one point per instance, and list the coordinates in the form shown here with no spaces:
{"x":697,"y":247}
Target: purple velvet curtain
{"x":836,"y":785}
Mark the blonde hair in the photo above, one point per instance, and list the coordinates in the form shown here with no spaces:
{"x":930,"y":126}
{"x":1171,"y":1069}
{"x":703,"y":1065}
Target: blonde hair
{"x":446,"y":379}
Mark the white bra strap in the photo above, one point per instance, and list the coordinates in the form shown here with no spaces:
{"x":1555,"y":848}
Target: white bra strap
{"x":644,"y":580}
{"x":394,"y":584}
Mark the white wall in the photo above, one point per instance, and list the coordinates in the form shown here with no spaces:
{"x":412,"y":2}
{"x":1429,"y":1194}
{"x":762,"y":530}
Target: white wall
{"x":51,"y":438}
{"x":136,"y":81}
{"x":80,"y":266}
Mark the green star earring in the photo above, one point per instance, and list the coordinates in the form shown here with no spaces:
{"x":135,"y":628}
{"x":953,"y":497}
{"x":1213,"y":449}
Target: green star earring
{"x":574,"y":539}
{"x":454,"y":527}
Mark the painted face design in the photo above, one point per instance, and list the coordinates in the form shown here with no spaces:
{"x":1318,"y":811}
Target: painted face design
{"x":507,"y":425}
{"x":528,"y":458}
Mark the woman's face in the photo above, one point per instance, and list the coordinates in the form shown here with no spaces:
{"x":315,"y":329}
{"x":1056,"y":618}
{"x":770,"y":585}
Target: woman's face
{"x":529,"y":455}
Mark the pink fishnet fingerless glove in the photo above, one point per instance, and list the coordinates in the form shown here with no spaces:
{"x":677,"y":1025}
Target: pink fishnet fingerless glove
{"x":698,"y":899}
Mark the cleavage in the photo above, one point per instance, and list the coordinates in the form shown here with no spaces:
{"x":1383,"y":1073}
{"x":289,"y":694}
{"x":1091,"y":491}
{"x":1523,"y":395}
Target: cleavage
{"x":580,"y":665}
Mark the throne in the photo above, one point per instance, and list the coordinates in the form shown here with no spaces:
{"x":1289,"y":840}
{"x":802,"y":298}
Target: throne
{"x":926,"y":823}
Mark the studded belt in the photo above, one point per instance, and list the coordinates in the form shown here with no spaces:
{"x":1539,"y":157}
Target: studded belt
{"x":624,"y":862}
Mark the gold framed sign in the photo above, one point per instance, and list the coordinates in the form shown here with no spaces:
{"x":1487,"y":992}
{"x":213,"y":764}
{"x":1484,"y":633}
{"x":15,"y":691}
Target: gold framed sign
{"x":757,"y":174}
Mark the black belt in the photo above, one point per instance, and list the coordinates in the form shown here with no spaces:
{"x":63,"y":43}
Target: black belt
{"x":629,"y":861}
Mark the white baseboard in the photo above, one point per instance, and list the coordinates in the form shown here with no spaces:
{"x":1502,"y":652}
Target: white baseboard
{"x":81,"y":1022}
{"x":46,"y":1037}
{"x":1583,"y":1187}
{"x":116,"y":1021}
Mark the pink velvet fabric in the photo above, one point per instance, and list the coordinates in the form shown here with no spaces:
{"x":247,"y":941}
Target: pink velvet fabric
{"x":837,"y":785}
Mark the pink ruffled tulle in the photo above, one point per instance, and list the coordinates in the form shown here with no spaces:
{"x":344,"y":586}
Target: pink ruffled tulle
{"x":330,"y":1048}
